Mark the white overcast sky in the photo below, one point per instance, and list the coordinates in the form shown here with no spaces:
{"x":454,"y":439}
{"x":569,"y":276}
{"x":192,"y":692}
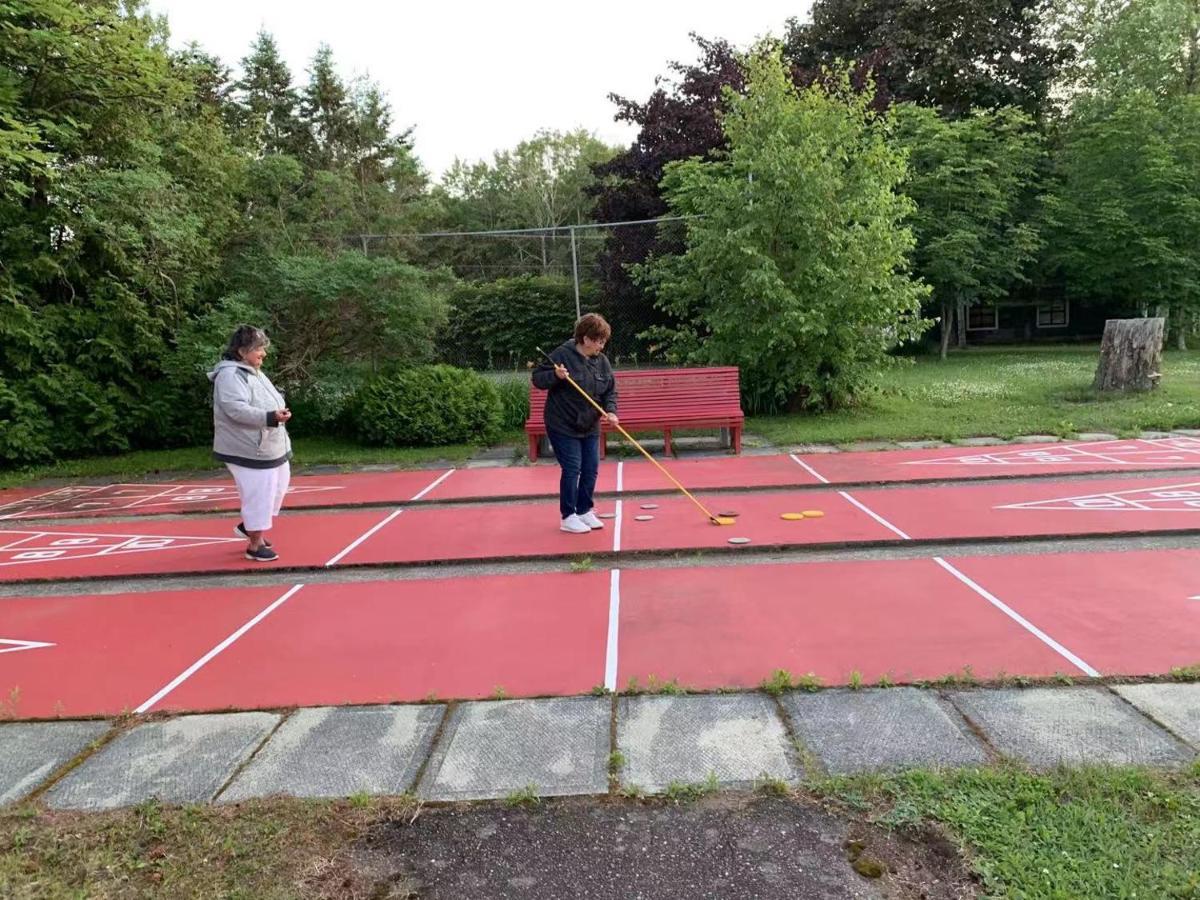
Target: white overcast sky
{"x":476,"y":76}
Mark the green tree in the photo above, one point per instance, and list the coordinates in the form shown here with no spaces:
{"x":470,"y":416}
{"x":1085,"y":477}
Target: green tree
{"x":116,"y":208}
{"x":1124,"y":217}
{"x":265,"y":113}
{"x":972,"y":180}
{"x":348,"y":308}
{"x":1124,"y":210}
{"x":795,"y":267}
{"x":544,"y":182}
{"x":325,"y":111}
{"x":1118,"y":46}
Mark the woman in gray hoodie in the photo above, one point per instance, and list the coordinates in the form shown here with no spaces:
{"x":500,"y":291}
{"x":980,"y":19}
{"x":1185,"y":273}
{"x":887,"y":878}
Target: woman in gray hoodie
{"x":249,"y":436}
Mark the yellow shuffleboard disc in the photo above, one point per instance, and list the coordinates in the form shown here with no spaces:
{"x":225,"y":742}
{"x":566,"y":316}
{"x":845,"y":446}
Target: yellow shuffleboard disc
{"x":792,"y":517}
{"x":813,"y":514}
{"x":724,"y":520}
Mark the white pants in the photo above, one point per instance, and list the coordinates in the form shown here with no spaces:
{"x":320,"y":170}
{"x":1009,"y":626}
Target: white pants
{"x":262,"y":492}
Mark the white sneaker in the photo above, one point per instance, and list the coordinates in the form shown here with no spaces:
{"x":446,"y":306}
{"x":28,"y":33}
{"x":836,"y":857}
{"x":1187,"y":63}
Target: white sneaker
{"x":591,"y":520}
{"x":574,"y":525}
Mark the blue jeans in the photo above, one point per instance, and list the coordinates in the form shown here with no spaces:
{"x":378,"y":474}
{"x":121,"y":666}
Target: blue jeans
{"x":580,"y":462}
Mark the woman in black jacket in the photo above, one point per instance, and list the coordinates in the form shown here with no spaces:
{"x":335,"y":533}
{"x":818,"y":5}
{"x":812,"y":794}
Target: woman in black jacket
{"x":573,"y":424}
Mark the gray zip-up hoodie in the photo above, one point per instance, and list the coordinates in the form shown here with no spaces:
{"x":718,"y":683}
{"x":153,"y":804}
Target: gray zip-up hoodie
{"x":245,"y":431}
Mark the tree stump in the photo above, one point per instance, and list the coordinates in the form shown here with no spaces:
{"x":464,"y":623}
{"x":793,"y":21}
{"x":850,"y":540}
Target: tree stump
{"x":1130,"y":355}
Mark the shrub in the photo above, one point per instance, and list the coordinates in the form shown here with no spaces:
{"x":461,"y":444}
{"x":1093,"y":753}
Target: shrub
{"x":500,"y":324}
{"x":24,"y":429}
{"x":324,"y":405}
{"x":90,"y":417}
{"x":427,"y":406}
{"x":348,"y":308}
{"x":174,"y":409}
{"x":514,"y":402}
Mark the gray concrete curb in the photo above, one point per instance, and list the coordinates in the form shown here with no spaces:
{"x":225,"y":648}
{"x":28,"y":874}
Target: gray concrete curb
{"x":479,"y":750}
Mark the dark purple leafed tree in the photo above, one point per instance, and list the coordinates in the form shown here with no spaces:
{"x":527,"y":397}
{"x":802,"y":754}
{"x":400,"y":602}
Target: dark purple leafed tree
{"x":678,"y":121}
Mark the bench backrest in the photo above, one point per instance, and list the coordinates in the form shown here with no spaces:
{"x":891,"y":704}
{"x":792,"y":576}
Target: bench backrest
{"x":714,"y":390}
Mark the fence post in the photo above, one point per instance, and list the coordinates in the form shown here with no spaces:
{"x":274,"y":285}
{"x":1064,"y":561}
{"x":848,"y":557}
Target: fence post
{"x":575,"y":272}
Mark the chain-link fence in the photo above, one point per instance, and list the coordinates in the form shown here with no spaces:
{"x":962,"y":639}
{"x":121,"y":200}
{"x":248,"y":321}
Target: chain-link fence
{"x":524,"y":287}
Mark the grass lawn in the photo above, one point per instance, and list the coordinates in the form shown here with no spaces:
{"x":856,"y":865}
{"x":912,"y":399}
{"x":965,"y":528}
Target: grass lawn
{"x":308,"y":451}
{"x":1003,"y":392}
{"x":1085,"y":833}
{"x":1092,"y":833}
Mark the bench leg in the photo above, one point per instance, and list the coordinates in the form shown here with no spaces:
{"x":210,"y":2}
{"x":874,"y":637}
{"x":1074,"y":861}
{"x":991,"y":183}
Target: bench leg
{"x":533,"y":447}
{"x":737,"y":440}
{"x":726,"y":440}
{"x":666,"y":442}
{"x":603,"y":445}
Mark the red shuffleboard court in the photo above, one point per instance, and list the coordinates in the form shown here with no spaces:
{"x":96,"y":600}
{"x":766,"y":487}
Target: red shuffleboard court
{"x":1040,"y":508}
{"x":370,"y":642}
{"x":1134,"y":613}
{"x":508,"y":482}
{"x":106,"y":654}
{"x":531,"y":529}
{"x":802,"y":470}
{"x":171,"y":547}
{"x":550,"y":634}
{"x":908,"y":619}
{"x":1013,"y":460}
{"x":1005,"y":509}
{"x":308,"y":491}
{"x":512,"y":482}
{"x":525,"y":530}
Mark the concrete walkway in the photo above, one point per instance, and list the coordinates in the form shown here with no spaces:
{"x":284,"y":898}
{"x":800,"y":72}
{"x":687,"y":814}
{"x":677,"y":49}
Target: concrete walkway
{"x":591,"y":745}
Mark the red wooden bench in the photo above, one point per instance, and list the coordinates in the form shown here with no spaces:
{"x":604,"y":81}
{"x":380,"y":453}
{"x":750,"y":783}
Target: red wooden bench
{"x":662,"y":400}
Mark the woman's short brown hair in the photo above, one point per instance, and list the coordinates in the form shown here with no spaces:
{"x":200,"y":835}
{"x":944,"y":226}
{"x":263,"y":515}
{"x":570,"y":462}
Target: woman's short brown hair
{"x":244,"y":339}
{"x":592,"y":326}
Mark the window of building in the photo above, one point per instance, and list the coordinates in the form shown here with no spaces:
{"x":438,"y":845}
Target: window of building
{"x":1052,"y":315}
{"x":983,"y":318}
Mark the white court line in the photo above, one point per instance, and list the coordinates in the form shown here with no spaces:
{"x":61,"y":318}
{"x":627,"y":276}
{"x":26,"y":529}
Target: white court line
{"x":1020,"y":620}
{"x":422,"y":493}
{"x":363,"y":537}
{"x":163,"y":495}
{"x":617,"y":529}
{"x":614,"y":620}
{"x":1115,"y":495}
{"x":30,"y":536}
{"x":17,"y":646}
{"x":1086,"y":450}
{"x":880,"y":519}
{"x":817,"y":475}
{"x":113,"y":548}
{"x":617,"y":520}
{"x":391,"y":516}
{"x":202,"y":661}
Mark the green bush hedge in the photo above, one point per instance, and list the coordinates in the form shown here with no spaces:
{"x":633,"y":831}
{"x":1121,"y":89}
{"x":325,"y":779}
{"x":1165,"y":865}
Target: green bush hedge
{"x":24,"y":429}
{"x":61,"y":413}
{"x":427,"y":406}
{"x":499,"y":324}
{"x":514,"y":402}
{"x":325,"y":405}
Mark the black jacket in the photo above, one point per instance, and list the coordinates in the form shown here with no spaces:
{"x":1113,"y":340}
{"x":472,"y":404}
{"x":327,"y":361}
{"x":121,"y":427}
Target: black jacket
{"x":566,"y":411}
